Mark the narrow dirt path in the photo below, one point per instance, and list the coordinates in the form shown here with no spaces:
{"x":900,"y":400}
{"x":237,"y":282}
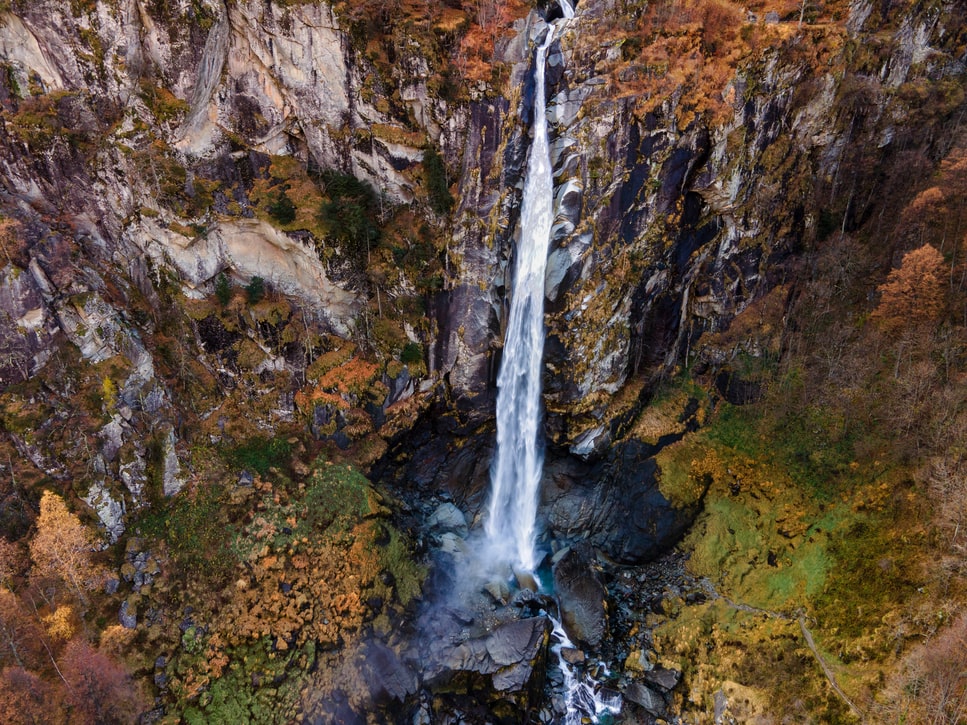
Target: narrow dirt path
{"x":807,"y":635}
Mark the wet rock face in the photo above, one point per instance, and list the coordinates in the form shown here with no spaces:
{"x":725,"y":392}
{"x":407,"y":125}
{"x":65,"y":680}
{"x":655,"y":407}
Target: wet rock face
{"x":616,"y":503}
{"x":581,"y":597}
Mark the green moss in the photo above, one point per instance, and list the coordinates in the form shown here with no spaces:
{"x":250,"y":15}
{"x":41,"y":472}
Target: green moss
{"x":681,"y":480}
{"x":260,"y":685}
{"x":196,"y":527}
{"x":876,"y":571}
{"x":260,"y":454}
{"x":337,"y":496}
{"x":398,"y":560}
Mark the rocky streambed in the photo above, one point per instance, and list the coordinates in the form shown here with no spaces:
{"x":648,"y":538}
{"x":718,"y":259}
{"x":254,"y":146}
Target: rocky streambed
{"x":481,"y":644}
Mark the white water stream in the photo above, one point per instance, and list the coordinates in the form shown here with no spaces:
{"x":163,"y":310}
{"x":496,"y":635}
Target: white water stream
{"x":516,"y":469}
{"x":583,"y":697}
{"x":511,"y":521}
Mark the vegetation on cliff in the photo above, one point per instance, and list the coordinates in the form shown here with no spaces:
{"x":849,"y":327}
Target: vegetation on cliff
{"x":225,"y":423}
{"x":831,"y":539}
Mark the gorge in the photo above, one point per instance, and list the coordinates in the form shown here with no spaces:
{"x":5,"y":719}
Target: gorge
{"x":273,"y":269}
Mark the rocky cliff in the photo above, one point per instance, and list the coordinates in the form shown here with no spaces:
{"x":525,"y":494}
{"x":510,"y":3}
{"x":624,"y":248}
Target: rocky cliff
{"x":227,"y":221}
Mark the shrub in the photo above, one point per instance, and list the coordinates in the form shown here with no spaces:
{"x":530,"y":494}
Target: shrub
{"x":436,"y":182}
{"x":261,"y":454}
{"x":223,"y":289}
{"x":282,"y":209}
{"x":255,"y":290}
{"x":351,"y":214}
{"x":412,"y":353}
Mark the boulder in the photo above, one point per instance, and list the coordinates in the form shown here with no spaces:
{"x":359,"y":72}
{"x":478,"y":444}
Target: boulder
{"x":652,"y":702}
{"x":503,"y":669}
{"x":580,"y":597}
{"x":388,"y":677}
{"x":448,"y":517}
{"x":498,"y":590}
{"x":663,"y":679}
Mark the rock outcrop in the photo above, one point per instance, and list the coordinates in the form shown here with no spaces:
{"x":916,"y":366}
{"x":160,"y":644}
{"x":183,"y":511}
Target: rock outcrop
{"x":502,"y":670}
{"x":581,"y":598}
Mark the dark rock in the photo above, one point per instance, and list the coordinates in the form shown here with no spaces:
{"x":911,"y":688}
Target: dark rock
{"x":580,"y":596}
{"x":616,"y":503}
{"x":375,"y":604}
{"x":663,"y":679}
{"x":652,"y":702}
{"x":513,"y":642}
{"x":737,"y":390}
{"x":506,"y":666}
{"x":460,"y":616}
{"x":387,"y":675}
{"x":399,"y":387}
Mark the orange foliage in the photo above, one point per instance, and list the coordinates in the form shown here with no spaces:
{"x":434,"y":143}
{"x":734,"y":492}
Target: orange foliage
{"x":62,"y":547}
{"x":914,"y":292}
{"x":26,"y":699}
{"x":352,"y":377}
{"x":19,"y":633}
{"x":493,"y":21}
{"x":686,"y":51}
{"x":60,"y":624}
{"x":305,"y":400}
{"x":325,"y":592}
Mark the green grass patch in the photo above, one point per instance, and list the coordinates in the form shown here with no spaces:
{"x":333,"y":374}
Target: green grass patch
{"x":337,"y":495}
{"x":197,"y":529}
{"x":813,"y":446}
{"x":259,"y":685}
{"x":260,"y":454}
{"x":876,"y":572}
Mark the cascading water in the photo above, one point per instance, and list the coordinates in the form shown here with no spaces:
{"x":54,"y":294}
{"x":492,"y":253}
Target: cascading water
{"x":517,"y":466}
{"x":516,"y":471}
{"x":584,"y":699}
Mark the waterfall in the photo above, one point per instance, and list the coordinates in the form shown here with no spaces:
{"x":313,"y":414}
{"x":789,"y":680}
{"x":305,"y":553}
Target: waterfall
{"x":516,"y":469}
{"x":519,"y":460}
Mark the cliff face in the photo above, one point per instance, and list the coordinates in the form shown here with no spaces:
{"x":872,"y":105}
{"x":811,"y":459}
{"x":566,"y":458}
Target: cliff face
{"x":137,"y":137}
{"x":675,"y":211}
{"x":226,"y":221}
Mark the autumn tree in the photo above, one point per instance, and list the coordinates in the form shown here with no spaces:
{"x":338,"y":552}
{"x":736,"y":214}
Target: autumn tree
{"x":931,"y":688}
{"x":101,"y":690}
{"x":10,"y":561}
{"x":26,"y":699}
{"x":62,"y":547}
{"x":19,"y":634}
{"x":914,"y":292}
